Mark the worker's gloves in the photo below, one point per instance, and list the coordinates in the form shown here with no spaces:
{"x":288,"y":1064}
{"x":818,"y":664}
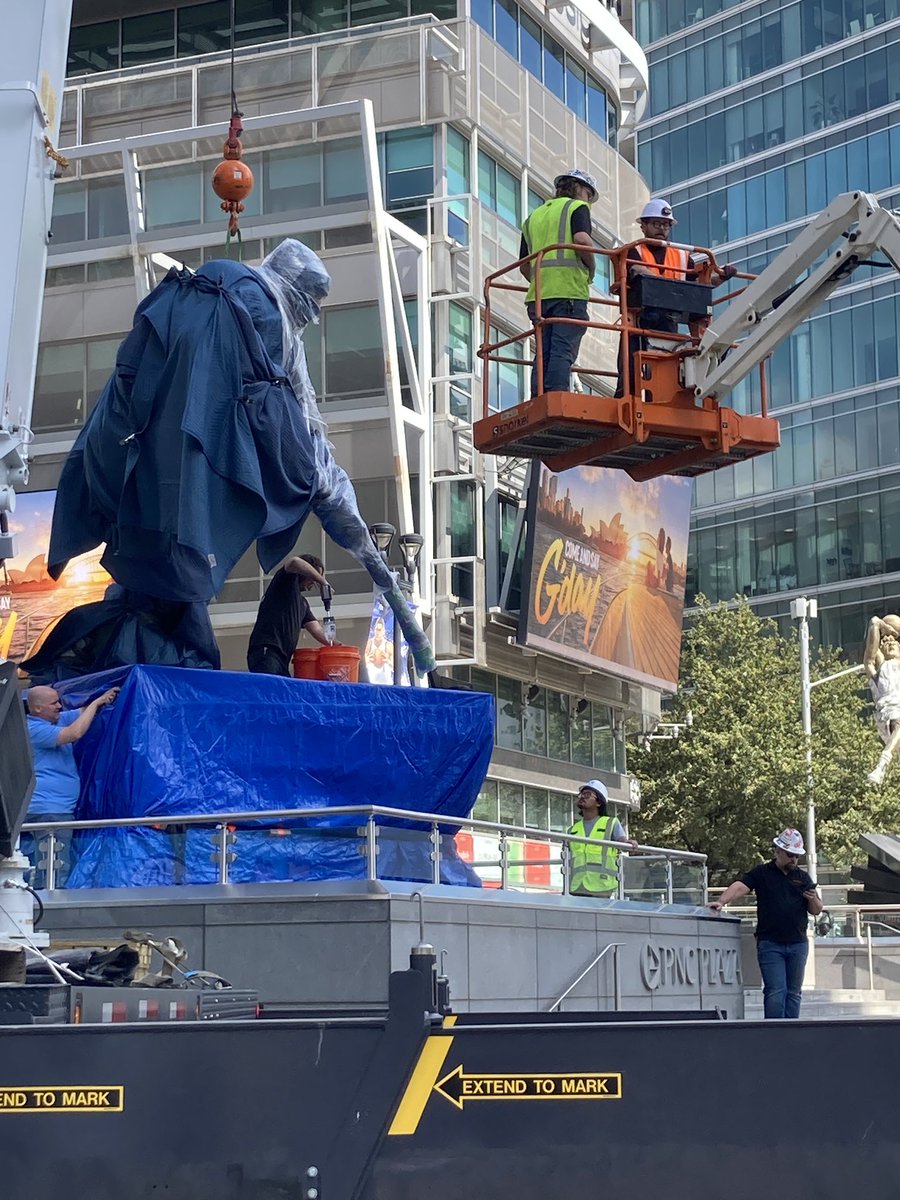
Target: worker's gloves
{"x":729,"y":271}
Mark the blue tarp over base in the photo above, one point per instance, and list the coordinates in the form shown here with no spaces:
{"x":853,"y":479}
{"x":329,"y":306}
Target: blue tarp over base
{"x":180,"y":741}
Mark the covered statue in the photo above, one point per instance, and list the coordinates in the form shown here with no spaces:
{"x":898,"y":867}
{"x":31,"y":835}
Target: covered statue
{"x":206,"y":438}
{"x":882,"y":663}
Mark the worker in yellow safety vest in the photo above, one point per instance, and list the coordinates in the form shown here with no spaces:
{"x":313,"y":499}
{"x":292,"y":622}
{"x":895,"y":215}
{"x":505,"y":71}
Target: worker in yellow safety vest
{"x":670,"y":262}
{"x":594,"y":869}
{"x":565,"y":275}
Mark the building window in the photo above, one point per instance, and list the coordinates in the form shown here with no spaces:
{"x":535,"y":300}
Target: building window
{"x":69,"y":223}
{"x":800,"y":541}
{"x":444,"y":10}
{"x":70,"y":376}
{"x":204,"y":28}
{"x":554,"y":67}
{"x":506,"y":380}
{"x":319,"y":16}
{"x":93,"y":48}
{"x":486,"y":805}
{"x":354,"y":357}
{"x":558,"y":726}
{"x":510,"y":707}
{"x":258,"y":21}
{"x":174,"y":195}
{"x":148,"y":38}
{"x":499,"y":189}
{"x":344,"y":171}
{"x":458,"y":184}
{"x":483,"y":15}
{"x":292,"y":179}
{"x":509,"y":514}
{"x":506,"y":25}
{"x":459,"y":349}
{"x":407,"y":168}
{"x":107,"y":209}
{"x":462,"y":538}
{"x":82,"y":211}
{"x":598,"y":109}
{"x":369,"y":12}
{"x":534,"y":725}
{"x":544,"y":58}
{"x":531,"y":47}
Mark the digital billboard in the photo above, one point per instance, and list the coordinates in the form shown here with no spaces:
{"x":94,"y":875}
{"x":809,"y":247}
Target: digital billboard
{"x":30,"y":601}
{"x":604,"y":571}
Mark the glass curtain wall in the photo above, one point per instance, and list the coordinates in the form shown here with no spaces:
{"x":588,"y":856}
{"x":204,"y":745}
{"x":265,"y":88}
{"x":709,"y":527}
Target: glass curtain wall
{"x":759,"y":118}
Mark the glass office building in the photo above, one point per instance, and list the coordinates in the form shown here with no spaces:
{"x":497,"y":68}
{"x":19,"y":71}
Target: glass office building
{"x":759,"y":115}
{"x":405,"y":141}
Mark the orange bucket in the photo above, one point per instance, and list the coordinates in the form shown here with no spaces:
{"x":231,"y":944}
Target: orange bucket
{"x":339,"y":664}
{"x":306,"y":663}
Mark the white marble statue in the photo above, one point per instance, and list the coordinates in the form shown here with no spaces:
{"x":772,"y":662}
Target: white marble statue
{"x":882,"y":663}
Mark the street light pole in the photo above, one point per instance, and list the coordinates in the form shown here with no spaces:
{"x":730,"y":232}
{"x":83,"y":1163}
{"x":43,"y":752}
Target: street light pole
{"x":410,"y":544}
{"x":804,"y":611}
{"x":382,"y":535}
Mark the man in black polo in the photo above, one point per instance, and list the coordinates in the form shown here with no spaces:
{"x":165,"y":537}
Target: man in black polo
{"x":785,"y":898}
{"x":283,"y":613}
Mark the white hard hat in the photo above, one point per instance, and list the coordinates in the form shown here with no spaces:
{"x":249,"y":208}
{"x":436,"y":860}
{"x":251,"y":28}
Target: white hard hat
{"x":580,"y":177}
{"x":790,"y":840}
{"x":596,"y":786}
{"x":657,"y":210}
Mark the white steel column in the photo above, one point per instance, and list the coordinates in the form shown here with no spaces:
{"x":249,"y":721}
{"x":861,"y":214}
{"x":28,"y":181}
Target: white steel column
{"x":32,"y":67}
{"x":392,"y":390}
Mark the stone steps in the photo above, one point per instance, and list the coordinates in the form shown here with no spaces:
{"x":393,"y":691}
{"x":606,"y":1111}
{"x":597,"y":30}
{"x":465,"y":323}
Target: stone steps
{"x":831,"y":1005}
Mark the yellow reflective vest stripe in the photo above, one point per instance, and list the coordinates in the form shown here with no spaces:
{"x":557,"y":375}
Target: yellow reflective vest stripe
{"x":594,"y":868}
{"x":563,"y":275}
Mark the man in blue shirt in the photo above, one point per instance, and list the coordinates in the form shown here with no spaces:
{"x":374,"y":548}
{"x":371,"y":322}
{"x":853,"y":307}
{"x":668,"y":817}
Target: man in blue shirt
{"x":53,"y":735}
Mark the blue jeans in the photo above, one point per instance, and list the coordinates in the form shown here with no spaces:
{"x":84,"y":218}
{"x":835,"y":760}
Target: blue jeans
{"x":559,"y":344}
{"x":782,"y":966}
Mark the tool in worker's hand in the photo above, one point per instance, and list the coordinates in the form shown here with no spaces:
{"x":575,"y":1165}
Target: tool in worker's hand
{"x":328,"y":622}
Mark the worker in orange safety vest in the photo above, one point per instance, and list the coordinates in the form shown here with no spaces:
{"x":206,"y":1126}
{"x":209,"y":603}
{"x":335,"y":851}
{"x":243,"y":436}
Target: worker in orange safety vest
{"x":671,"y":262}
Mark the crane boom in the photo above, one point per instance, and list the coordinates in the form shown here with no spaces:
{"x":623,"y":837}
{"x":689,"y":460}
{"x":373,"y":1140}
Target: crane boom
{"x":769,"y":309}
{"x":32,"y":67}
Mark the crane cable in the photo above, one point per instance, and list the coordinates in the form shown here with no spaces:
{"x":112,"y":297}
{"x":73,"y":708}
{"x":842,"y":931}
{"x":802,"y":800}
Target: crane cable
{"x":232,"y":179}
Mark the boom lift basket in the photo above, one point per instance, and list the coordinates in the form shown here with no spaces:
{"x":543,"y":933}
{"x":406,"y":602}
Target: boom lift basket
{"x":659,"y":426}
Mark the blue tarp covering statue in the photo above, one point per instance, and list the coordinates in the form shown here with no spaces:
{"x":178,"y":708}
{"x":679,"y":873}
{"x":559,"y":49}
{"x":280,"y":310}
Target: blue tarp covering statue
{"x":206,"y":438}
{"x":181,"y":741}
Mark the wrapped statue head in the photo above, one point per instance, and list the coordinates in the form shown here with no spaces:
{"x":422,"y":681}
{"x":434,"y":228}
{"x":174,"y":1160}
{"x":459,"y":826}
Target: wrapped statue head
{"x":297,"y":278}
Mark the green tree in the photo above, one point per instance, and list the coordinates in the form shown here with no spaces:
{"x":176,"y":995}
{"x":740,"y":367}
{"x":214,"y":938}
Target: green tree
{"x":738,"y":775}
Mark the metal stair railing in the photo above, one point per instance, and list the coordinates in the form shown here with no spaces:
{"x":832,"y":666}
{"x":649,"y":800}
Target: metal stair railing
{"x":617,"y":986}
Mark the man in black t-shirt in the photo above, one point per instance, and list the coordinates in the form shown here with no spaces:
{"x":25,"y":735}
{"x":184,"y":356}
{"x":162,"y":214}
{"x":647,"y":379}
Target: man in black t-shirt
{"x":785,"y":898}
{"x":283,"y":613}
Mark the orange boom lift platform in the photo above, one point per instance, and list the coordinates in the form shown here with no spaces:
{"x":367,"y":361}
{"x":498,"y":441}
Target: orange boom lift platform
{"x":663,"y":424}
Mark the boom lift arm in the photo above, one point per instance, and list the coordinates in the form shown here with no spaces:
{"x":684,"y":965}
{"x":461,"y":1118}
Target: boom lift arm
{"x":771,"y":307}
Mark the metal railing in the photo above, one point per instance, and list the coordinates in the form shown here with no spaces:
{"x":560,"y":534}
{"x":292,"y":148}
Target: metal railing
{"x":611,"y":314}
{"x":617,"y":986}
{"x":891,"y":929}
{"x":376,"y":820}
{"x":857,"y":916}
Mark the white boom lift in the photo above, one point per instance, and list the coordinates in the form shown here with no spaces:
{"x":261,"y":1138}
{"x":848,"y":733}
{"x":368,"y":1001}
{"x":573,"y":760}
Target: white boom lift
{"x":774,"y":304}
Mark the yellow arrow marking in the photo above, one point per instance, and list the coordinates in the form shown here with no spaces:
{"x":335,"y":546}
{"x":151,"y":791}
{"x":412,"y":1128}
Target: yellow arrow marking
{"x":458,"y":1087}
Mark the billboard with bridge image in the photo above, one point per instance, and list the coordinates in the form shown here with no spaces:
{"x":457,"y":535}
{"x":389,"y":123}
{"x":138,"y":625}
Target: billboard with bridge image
{"x":30,"y":601}
{"x":604,"y":571}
